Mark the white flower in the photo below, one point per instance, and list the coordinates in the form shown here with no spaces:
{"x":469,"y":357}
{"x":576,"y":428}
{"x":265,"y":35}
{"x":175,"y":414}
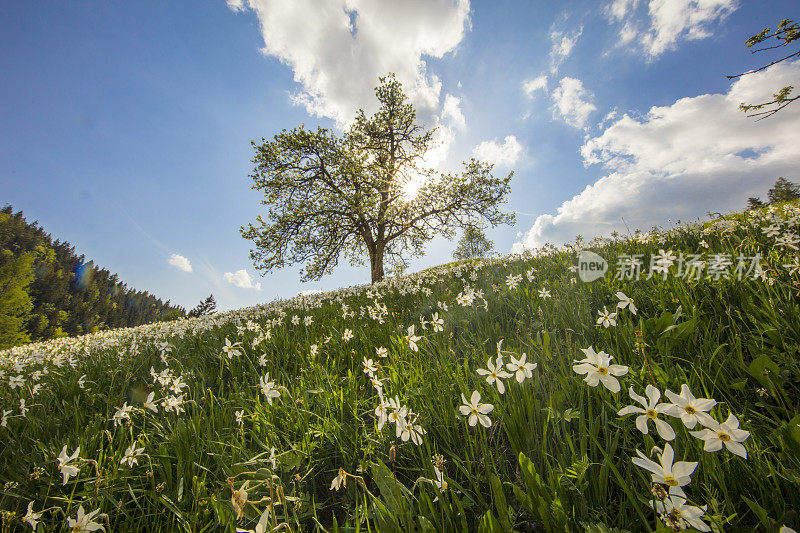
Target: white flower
{"x":261,"y":526}
{"x":239,"y":416}
{"x":598,"y":368}
{"x":495,"y":374}
{"x":727,"y":433}
{"x":475,"y":410}
{"x":689,"y":409}
{"x":123,"y":413}
{"x":624,"y":302}
{"x":148,"y":403}
{"x":131,"y":453}
{"x":16,"y":381}
{"x":398,"y":414}
{"x":544,"y":293}
{"x":381,"y":352}
{"x":413,"y":431}
{"x":382,"y":413}
{"x":64,"y":466}
{"x":268,"y":388}
{"x":4,"y":420}
{"x":308,"y":320}
{"x":606,"y":319}
{"x":230,"y":349}
{"x":295,"y":320}
{"x":369,"y":366}
{"x":314,"y":349}
{"x":437,"y":323}
{"x":650,"y":411}
{"x":239,"y":500}
{"x":340,"y":480}
{"x":521,"y":368}
{"x":442,"y":306}
{"x":347,"y":335}
{"x":667,"y":473}
{"x":412,"y":339}
{"x":675,"y":511}
{"x":512,"y":281}
{"x":83,"y":522}
{"x":31,"y":518}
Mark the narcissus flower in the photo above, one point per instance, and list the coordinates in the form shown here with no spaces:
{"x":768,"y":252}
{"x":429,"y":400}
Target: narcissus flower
{"x":521,"y":368}
{"x":268,"y":388}
{"x":83,"y":522}
{"x":667,"y":473}
{"x":606,"y":319}
{"x":689,"y":409}
{"x":495,"y":374}
{"x":649,"y":411}
{"x":475,"y":410}
{"x":625,"y":301}
{"x":727,"y":433}
{"x":64,"y":463}
{"x":598,"y":369}
{"x":676,"y":514}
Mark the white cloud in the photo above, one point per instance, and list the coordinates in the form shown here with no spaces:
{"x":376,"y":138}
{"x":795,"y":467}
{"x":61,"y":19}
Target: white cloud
{"x":337,"y":49}
{"x":504,"y":155}
{"x":573,"y":102}
{"x":562,"y":44}
{"x":451,"y":111}
{"x":698,"y":155}
{"x":178,"y":261}
{"x":242,"y":279}
{"x":530,"y":86}
{"x":668,"y":21}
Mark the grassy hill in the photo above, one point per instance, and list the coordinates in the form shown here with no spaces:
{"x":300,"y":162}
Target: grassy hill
{"x":329,"y":412}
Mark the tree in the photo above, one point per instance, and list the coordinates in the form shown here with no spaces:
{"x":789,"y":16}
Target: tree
{"x":786,"y":32}
{"x":473,"y":244}
{"x":754,"y":202}
{"x":206,"y":307}
{"x":783,"y":191}
{"x":329,"y":196}
{"x":16,"y":274}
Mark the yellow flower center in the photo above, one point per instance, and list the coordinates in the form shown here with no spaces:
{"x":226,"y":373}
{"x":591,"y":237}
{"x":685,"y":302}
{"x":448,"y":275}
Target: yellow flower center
{"x":671,"y":481}
{"x":602,"y":370}
{"x":474,"y":411}
{"x":651,"y":413}
{"x":724,"y":437}
{"x":691,"y":410}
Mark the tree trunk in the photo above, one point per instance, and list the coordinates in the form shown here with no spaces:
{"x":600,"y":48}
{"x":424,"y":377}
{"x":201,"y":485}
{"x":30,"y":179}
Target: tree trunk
{"x":376,"y":263}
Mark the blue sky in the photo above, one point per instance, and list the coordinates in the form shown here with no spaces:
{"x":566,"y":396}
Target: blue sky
{"x":126,"y":127}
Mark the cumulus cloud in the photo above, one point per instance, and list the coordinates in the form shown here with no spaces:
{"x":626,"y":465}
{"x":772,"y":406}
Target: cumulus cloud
{"x":178,"y":261}
{"x":668,"y":21}
{"x":504,"y":155}
{"x":337,"y":49}
{"x":562,"y":44}
{"x":573,"y":102}
{"x":530,"y":86}
{"x":451,"y":111}
{"x":242,"y":279}
{"x":698,"y":155}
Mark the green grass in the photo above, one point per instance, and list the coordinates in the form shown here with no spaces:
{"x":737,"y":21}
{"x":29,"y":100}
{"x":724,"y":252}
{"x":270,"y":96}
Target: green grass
{"x":557,"y":457}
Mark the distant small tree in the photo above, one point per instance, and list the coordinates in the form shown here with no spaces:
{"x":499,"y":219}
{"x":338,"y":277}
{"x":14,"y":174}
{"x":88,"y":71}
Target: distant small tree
{"x":783,"y":191}
{"x":206,"y":307}
{"x":473,"y":244}
{"x":754,"y":202}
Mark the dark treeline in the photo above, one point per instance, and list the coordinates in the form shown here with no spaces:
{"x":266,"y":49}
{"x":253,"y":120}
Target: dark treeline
{"x":47,"y":290}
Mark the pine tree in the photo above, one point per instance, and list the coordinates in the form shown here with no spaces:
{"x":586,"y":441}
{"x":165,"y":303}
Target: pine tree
{"x":783,"y":191}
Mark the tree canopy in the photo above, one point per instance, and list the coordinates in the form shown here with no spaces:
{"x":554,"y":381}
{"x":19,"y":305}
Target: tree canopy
{"x":785,"y":34}
{"x":329,"y":196}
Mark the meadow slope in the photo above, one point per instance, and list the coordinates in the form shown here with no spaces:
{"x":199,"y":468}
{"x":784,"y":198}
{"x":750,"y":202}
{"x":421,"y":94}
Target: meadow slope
{"x":472,"y":396}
